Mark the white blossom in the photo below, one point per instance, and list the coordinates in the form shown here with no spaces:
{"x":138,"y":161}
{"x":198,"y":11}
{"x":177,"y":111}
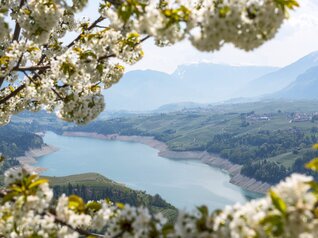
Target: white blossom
{"x":62,"y":76}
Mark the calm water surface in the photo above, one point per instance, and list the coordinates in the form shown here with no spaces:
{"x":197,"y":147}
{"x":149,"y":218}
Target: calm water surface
{"x":185,"y":184}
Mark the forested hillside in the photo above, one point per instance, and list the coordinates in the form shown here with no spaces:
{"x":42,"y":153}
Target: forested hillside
{"x":16,"y":139}
{"x":93,"y":186}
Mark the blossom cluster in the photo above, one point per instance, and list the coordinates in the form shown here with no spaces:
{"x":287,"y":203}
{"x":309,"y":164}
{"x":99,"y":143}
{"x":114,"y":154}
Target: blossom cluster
{"x":27,"y":209}
{"x":39,"y":69}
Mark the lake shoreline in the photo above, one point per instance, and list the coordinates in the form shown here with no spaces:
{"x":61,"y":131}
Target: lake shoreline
{"x":234,"y":170}
{"x":32,"y":155}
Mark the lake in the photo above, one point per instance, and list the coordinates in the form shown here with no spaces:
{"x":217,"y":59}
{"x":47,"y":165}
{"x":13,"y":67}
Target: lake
{"x":185,"y":184}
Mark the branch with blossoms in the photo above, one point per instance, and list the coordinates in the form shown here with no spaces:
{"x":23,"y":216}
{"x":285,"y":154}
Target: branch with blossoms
{"x":27,"y":209}
{"x":78,"y":71}
{"x":46,"y":67}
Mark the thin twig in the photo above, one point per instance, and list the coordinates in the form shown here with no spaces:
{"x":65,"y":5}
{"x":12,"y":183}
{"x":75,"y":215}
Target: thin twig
{"x":32,"y":68}
{"x":39,"y":76}
{"x":106,"y":57}
{"x":79,"y":230}
{"x":114,"y":55}
{"x":99,"y":26}
{"x":88,"y":29}
{"x":1,"y":81}
{"x":115,"y":2}
{"x":17,"y":28}
{"x":144,"y":39}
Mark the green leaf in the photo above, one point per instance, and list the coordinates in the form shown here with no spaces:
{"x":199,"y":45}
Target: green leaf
{"x":314,"y":187}
{"x":100,"y":68}
{"x":68,"y":68}
{"x":9,"y":197}
{"x":167,"y":229}
{"x":224,"y":11}
{"x":201,"y":223}
{"x":4,"y":10}
{"x":26,"y":11}
{"x":204,"y":210}
{"x":313,"y":165}
{"x":95,"y":88}
{"x":2,"y":158}
{"x":38,"y":182}
{"x":120,"y":205}
{"x":76,"y":203}
{"x":279,"y":203}
{"x":273,"y":225}
{"x":86,"y":54}
{"x":4,"y":61}
{"x":287,"y":4}
{"x":31,"y":49}
{"x":16,"y":188}
{"x":93,"y":206}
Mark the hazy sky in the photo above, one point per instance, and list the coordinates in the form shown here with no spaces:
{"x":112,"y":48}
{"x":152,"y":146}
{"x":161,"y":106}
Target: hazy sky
{"x":297,"y":37}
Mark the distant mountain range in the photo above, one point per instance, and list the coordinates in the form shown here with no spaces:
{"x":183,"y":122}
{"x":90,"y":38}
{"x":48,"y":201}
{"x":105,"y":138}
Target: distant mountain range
{"x":280,"y":79}
{"x":144,"y":90}
{"x":305,"y":87}
{"x":200,"y":84}
{"x":197,"y":85}
{"x":179,"y":107}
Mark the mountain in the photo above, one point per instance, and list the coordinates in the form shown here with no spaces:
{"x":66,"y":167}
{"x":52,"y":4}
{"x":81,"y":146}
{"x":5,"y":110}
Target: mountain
{"x":205,"y":72}
{"x":281,"y":78}
{"x":305,"y":87}
{"x":145,"y":90}
{"x":141,"y":90}
{"x":16,"y":139}
{"x":216,"y":82}
{"x":173,"y":107}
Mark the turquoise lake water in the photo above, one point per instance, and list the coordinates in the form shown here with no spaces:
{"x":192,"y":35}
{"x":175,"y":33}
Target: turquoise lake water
{"x":185,"y":184}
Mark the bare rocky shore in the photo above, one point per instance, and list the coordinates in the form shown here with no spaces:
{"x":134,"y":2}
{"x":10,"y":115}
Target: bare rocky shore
{"x":30,"y":156}
{"x":234,"y":170}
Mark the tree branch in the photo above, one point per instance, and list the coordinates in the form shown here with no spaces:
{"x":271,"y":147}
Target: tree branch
{"x":94,"y":24}
{"x":106,"y":57}
{"x":13,"y":94}
{"x":113,"y":55}
{"x":144,"y":39}
{"x":32,"y":68}
{"x":115,"y":2}
{"x":82,"y":231}
{"x":98,"y":20}
{"x":51,"y":212}
{"x":1,"y":81}
{"x":17,"y":28}
{"x":16,"y":33}
{"x":79,"y":230}
{"x":37,"y":75}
